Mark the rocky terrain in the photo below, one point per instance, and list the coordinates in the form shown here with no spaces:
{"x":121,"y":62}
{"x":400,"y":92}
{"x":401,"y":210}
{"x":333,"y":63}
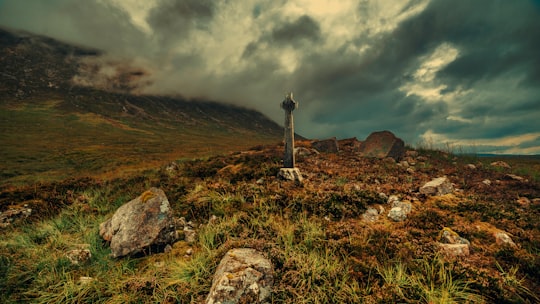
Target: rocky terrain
{"x":427,"y":227}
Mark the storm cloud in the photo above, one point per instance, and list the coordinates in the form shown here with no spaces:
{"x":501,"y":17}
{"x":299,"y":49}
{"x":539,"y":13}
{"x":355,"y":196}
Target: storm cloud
{"x":465,"y":73}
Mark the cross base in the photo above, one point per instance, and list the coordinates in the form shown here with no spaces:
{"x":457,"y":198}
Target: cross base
{"x":290,"y":174}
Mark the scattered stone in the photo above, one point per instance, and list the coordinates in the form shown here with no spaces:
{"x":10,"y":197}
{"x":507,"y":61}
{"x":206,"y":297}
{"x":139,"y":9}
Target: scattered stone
{"x":243,"y":276}
{"x":190,"y":235}
{"x":189,"y":251}
{"x":470,"y":166}
{"x":405,"y":206}
{"x":454,"y":250}
{"x":503,"y":239}
{"x":78,"y":256}
{"x":397,"y":214}
{"x":486,"y":182}
{"x":399,"y":210}
{"x":404,"y":164}
{"x":139,"y":224}
{"x":302,"y":151}
{"x":180,"y":222}
{"x":392,"y":199}
{"x":500,"y":164}
{"x":421,"y":158}
{"x":411,"y":153}
{"x":410,"y":170}
{"x":171,"y":167}
{"x":410,"y":161}
{"x":438,"y":186}
{"x":349,"y":144}
{"x":290,"y":174}
{"x":449,"y":236}
{"x":515,"y":177}
{"x":327,"y":145}
{"x":371,"y":215}
{"x":260,"y":181}
{"x":383,"y":144}
{"x":383,"y":196}
{"x":14,"y":214}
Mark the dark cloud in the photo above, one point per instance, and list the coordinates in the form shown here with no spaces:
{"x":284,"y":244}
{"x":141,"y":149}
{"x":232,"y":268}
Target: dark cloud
{"x":365,"y":80}
{"x":178,"y":17}
{"x":90,"y":23}
{"x":303,"y":28}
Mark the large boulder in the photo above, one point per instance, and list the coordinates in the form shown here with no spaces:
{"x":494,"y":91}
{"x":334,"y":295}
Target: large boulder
{"x":381,"y":145}
{"x":327,"y":145}
{"x":142,"y":223}
{"x":243,"y":276}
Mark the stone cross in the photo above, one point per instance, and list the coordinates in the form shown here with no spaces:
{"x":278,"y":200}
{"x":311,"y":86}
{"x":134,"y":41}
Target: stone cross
{"x":289,"y":105}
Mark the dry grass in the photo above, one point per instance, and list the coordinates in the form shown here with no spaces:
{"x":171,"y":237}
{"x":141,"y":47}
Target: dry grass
{"x":321,"y":249}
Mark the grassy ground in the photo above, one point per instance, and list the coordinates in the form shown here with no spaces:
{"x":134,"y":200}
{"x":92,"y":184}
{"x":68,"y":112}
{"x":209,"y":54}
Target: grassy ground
{"x":51,"y":138}
{"x":321,"y":249}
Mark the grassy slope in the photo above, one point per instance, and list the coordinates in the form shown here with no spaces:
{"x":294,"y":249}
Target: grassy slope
{"x":321,"y":249}
{"x":53,"y":137}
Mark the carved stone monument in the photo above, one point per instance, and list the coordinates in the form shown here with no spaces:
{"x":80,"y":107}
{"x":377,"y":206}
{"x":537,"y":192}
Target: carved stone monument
{"x":289,"y":171}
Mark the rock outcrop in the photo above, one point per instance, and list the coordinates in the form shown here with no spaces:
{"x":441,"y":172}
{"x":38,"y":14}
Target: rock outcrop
{"x":381,"y":145}
{"x":327,"y":145}
{"x":142,"y":223}
{"x":243,"y":276}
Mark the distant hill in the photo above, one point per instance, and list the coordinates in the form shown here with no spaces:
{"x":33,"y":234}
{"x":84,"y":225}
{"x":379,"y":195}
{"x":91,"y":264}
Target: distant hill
{"x":54,"y":128}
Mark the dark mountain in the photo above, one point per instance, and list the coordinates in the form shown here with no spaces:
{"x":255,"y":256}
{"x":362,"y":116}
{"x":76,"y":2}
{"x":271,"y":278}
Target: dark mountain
{"x":58,"y":118}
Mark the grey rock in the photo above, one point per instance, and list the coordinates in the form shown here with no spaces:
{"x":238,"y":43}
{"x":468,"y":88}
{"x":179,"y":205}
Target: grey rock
{"x":397,"y":214}
{"x":371,"y":215}
{"x":243,"y":276}
{"x":399,"y":210}
{"x":438,"y":186}
{"x":139,"y":224}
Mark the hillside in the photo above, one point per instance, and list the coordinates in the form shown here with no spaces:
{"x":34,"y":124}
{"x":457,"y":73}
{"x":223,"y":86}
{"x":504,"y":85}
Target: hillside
{"x":53,"y":128}
{"x":324,"y":239}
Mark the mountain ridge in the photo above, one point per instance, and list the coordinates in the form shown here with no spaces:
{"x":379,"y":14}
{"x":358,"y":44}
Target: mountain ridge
{"x":54,"y":127}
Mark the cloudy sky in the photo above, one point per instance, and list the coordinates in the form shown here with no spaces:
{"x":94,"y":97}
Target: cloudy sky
{"x":462,"y":73}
